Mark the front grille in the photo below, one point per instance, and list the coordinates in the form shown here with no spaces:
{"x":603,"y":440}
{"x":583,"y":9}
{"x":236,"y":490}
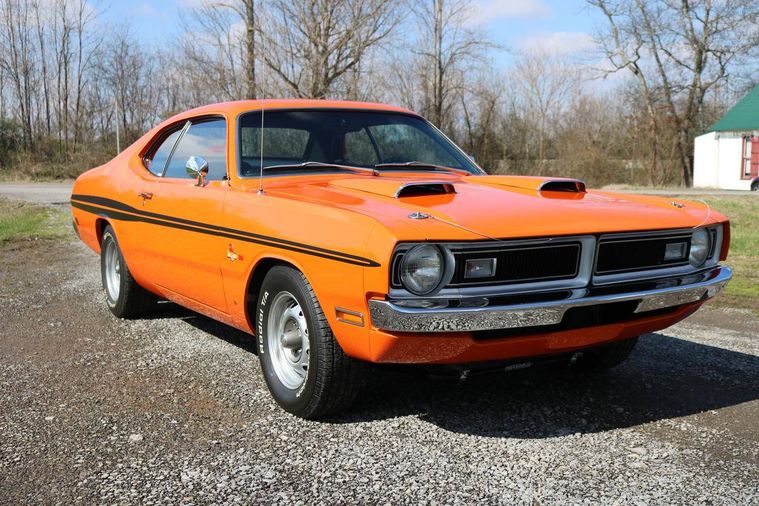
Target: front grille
{"x":514,"y":264}
{"x":520,"y":264}
{"x":630,"y":254}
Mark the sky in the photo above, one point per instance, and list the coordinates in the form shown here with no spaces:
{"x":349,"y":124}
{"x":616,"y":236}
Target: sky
{"x":564,"y":26}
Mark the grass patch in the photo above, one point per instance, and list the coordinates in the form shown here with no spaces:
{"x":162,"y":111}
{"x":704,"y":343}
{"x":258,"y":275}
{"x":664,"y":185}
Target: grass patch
{"x":743,"y":211}
{"x":20,"y":220}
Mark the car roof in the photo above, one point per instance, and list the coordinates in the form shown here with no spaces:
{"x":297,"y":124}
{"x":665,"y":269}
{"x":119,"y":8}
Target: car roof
{"x":240,"y":106}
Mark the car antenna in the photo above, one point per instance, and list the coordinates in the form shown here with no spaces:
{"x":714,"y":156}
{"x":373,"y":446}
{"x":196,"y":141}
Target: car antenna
{"x":261,"y":168}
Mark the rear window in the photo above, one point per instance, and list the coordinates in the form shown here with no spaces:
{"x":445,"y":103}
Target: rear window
{"x":155,"y":161}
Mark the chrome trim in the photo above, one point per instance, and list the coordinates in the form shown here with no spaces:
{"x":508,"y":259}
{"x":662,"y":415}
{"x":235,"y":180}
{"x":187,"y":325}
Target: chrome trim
{"x":391,"y":317}
{"x":197,"y":167}
{"x":339,"y":310}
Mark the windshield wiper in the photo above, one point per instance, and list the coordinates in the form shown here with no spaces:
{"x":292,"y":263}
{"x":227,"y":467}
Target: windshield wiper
{"x":421,"y":165}
{"x":321,"y":165}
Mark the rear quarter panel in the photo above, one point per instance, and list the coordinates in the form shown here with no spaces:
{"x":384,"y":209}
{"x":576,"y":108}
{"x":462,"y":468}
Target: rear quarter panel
{"x":120,"y":180}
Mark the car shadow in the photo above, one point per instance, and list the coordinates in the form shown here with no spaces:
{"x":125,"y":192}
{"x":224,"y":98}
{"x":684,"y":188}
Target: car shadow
{"x":663,"y":378}
{"x":217,"y":329}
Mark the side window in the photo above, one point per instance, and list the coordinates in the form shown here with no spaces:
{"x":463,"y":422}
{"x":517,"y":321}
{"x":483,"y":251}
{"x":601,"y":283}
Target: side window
{"x":207,"y":139}
{"x":156,"y":161}
{"x":358,"y":149}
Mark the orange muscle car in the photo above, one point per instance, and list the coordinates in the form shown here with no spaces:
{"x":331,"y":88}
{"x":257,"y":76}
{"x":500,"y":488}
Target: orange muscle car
{"x":341,"y":233}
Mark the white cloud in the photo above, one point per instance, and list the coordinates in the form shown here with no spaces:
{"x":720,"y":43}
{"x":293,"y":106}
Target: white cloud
{"x":489,"y":10}
{"x":146,"y":9}
{"x":560,"y":43}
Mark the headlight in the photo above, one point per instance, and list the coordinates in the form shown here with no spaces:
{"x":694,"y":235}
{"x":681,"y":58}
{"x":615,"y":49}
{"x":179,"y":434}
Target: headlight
{"x":700,"y":245}
{"x":422,"y":269}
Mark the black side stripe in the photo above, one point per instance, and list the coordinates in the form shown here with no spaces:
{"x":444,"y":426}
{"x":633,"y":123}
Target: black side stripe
{"x":115,"y":204}
{"x":120,"y":211}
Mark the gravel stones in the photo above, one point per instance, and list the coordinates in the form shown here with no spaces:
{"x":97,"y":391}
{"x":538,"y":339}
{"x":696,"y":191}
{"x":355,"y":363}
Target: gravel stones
{"x":172,"y":409}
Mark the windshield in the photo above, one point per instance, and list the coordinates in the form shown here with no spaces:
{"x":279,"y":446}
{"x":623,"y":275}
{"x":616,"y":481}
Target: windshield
{"x":294,"y":140}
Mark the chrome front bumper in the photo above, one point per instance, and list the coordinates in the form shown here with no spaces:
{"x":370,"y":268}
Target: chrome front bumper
{"x":392,"y":317}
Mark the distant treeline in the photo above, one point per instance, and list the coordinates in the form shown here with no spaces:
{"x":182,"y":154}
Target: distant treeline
{"x":625,"y":109}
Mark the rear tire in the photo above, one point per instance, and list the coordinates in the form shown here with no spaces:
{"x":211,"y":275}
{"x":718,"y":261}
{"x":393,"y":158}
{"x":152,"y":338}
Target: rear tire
{"x":305,"y":369}
{"x":125,"y":298}
{"x":601,"y":359}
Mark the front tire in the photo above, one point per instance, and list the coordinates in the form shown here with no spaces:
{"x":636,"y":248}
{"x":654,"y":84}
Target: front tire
{"x":601,"y":359}
{"x":125,"y":298}
{"x":304,"y":367}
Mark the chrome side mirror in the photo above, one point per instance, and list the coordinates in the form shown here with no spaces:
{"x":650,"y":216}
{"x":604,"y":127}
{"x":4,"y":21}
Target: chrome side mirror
{"x":197,"y":167}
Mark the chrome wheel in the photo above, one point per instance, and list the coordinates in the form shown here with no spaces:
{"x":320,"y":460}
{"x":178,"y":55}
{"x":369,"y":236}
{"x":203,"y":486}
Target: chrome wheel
{"x":112,"y":270}
{"x":288,"y":344}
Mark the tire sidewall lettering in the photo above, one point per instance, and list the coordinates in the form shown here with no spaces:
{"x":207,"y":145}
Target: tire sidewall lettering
{"x":300,"y":397}
{"x":260,"y":323}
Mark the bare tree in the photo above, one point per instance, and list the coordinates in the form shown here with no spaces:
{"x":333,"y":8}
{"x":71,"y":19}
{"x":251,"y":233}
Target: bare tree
{"x":18,"y":59}
{"x":219,"y":48}
{"x":541,"y":84}
{"x":42,"y":36}
{"x":310,"y":45}
{"x":481,"y":112}
{"x":678,"y":50}
{"x":86,"y":44}
{"x":3,"y":99}
{"x":62,"y":34}
{"x":447,"y":48}
{"x":128,"y":70}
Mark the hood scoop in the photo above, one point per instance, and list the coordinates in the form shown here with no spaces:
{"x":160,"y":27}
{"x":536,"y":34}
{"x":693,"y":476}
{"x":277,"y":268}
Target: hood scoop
{"x":424,"y":188}
{"x":562,"y":185}
{"x":541,"y":184}
{"x":395,"y":188}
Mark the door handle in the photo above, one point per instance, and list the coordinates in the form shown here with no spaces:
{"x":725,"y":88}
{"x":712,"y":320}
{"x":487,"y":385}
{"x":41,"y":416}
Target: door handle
{"x":146,"y":195}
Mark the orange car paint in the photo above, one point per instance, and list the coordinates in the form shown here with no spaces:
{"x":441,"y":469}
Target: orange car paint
{"x":340,"y":231}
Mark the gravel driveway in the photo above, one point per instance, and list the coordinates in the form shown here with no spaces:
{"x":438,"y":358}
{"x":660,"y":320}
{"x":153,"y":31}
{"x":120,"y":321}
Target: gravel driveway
{"x":173,"y":409}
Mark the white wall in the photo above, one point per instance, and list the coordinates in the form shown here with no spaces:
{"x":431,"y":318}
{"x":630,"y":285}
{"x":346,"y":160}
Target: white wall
{"x":705,"y":161}
{"x":717,"y":162}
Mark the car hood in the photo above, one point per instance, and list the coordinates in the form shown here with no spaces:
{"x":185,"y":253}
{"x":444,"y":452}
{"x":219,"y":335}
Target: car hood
{"x":463,"y":208}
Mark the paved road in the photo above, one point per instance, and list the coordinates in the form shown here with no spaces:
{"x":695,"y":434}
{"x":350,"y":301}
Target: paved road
{"x":173,"y":409}
{"x":38,"y":193}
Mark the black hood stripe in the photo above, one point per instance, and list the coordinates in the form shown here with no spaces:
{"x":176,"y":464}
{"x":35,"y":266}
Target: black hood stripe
{"x":120,"y":211}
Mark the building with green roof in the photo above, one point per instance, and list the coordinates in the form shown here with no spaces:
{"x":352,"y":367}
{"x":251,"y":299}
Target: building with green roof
{"x":727,"y":155}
